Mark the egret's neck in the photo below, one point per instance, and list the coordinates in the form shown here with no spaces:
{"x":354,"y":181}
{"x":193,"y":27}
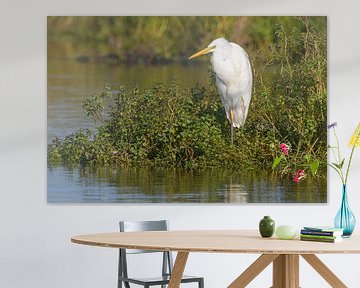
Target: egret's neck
{"x":222,"y":51}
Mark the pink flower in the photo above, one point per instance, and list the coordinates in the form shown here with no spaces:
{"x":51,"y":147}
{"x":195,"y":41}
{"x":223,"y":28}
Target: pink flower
{"x":284,"y":148}
{"x":299,"y":175}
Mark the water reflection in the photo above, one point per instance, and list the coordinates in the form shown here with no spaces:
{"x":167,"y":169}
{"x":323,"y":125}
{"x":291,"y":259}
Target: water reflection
{"x":146,"y":185}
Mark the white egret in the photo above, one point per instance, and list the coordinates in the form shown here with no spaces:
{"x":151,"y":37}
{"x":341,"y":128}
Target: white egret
{"x":232,"y":67}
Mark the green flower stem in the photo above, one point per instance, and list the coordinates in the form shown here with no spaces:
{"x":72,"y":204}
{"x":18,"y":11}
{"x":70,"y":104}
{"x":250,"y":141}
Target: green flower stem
{"x":351,"y":155}
{"x":333,"y":152}
{"x":337,"y":171}
{"x":348,"y":166}
{"x":338,"y":146}
{"x":339,"y":155}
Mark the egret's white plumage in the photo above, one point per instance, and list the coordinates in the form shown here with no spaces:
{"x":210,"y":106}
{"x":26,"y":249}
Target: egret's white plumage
{"x":232,"y":67}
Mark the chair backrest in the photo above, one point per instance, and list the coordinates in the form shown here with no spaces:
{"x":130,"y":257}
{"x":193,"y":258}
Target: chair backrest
{"x":134,"y":226}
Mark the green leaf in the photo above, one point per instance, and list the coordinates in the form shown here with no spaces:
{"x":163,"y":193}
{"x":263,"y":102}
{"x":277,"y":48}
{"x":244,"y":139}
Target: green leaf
{"x":314,"y":167}
{"x":276,"y":162}
{"x":342,"y":163}
{"x":336,"y":165}
{"x":339,"y":166}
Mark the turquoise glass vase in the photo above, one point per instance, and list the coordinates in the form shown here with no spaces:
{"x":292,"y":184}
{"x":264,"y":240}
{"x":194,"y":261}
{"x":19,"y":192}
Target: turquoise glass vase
{"x":345,"y":219}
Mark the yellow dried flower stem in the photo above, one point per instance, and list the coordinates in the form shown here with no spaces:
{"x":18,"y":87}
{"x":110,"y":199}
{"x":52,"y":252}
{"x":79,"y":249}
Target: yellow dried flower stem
{"x":355,"y":138}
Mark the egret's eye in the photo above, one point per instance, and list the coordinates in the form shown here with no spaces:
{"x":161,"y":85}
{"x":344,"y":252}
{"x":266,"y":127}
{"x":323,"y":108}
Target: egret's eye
{"x":212,"y":47}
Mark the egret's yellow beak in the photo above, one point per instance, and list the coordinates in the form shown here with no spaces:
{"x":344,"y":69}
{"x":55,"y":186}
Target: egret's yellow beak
{"x":202,"y":52}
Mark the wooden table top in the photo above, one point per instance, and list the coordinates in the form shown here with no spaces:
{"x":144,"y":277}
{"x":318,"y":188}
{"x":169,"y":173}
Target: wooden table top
{"x":217,"y":241}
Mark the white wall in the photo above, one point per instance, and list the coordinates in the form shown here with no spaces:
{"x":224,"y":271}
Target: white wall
{"x":35,"y":248}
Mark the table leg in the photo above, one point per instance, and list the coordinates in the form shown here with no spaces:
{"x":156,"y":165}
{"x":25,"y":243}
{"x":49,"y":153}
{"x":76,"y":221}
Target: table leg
{"x":253,"y":270}
{"x":286,"y":271}
{"x":178,"y":269}
{"x":324,"y":271}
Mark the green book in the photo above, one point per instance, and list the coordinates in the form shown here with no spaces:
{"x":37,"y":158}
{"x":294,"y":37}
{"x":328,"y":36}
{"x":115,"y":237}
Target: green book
{"x":321,"y":233}
{"x":325,"y":240}
{"x":319,"y":236}
{"x":324,"y":228}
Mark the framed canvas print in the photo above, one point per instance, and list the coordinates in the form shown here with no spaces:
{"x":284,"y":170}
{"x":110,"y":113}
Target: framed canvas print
{"x":187,"y":109}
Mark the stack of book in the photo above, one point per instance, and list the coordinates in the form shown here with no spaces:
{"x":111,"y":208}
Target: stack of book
{"x":321,"y":234}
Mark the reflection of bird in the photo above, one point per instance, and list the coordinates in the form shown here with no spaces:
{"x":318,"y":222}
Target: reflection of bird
{"x":233,"y":78}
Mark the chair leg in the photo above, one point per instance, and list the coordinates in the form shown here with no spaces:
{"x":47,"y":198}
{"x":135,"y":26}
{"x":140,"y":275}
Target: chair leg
{"x":119,"y":270}
{"x":201,"y":283}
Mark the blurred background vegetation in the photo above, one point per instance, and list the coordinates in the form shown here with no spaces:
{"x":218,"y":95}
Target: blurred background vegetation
{"x":173,"y":125}
{"x":156,"y":40}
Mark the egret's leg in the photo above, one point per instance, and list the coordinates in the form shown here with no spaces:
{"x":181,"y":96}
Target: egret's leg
{"x":232,"y":126}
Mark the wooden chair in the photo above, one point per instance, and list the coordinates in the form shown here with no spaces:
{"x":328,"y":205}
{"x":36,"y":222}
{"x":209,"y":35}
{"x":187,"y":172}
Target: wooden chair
{"x":167,"y":262}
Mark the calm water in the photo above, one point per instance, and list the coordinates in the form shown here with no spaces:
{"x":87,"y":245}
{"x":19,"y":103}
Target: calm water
{"x":140,"y":185}
{"x":70,"y":82}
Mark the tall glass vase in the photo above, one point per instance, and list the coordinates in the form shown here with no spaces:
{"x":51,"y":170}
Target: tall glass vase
{"x":345,"y":219}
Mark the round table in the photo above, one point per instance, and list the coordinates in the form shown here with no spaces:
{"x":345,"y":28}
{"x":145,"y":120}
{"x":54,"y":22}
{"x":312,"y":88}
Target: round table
{"x":284,"y":254}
